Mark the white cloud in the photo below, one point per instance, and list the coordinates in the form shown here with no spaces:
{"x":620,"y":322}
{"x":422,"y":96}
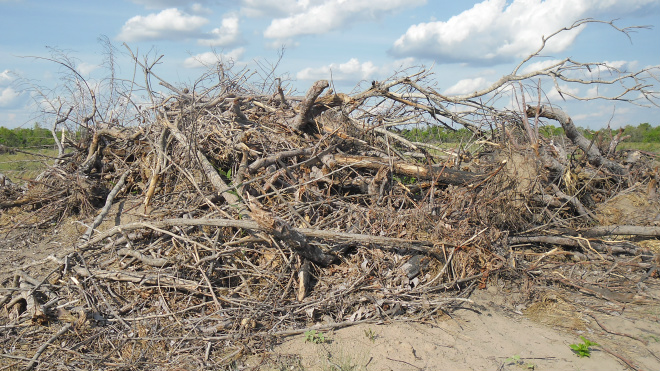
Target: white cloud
{"x":594,"y":91}
{"x":8,"y":97}
{"x":6,"y":77}
{"x":354,"y":70}
{"x":87,"y":68}
{"x":497,"y":31}
{"x":351,"y":70}
{"x":168,"y":24}
{"x":279,"y":43}
{"x":322,"y":17}
{"x":540,"y":65}
{"x":609,"y":68}
{"x":211,"y":58}
{"x":200,"y":9}
{"x":554,"y":96}
{"x":259,"y":8}
{"x":226,"y":35}
{"x":162,"y":4}
{"x":467,"y":86}
{"x":584,"y":116}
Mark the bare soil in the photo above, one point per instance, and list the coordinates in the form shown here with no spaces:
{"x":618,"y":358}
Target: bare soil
{"x":493,"y":334}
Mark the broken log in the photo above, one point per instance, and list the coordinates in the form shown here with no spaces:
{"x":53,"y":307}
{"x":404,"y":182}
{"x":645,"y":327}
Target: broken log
{"x":439,"y":173}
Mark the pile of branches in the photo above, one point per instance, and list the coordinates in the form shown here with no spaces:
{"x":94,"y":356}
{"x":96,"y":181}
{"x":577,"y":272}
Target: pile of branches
{"x":231,"y":216}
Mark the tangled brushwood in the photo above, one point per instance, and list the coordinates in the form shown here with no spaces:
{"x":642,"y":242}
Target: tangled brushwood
{"x":203,"y":226}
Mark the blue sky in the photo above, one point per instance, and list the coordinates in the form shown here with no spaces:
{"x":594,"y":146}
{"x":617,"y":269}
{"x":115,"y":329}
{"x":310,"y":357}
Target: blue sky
{"x":470,"y":44}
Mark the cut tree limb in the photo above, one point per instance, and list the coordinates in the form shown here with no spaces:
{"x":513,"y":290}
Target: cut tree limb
{"x":306,"y":105}
{"x":294,"y":238}
{"x":439,"y":173}
{"x":304,"y":277}
{"x":267,"y":161}
{"x":210,"y":172}
{"x":593,"y":154}
{"x":106,"y":208}
{"x":622,"y":230}
{"x":583,"y":211}
{"x":154,"y":262}
{"x":342,"y":237}
{"x":35,"y":359}
{"x":145,"y":278}
{"x":611,"y":247}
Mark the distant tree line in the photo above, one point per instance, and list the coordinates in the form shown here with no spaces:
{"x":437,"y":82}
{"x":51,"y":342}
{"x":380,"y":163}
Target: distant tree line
{"x":641,"y":133}
{"x":436,"y":134}
{"x":41,"y":137}
{"x":26,"y":137}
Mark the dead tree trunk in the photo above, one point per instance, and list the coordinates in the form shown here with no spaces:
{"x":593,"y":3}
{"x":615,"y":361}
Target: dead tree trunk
{"x":592,"y":152}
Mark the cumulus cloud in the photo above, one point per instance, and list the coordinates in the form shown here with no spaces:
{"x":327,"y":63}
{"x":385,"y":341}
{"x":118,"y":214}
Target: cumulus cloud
{"x":311,"y":18}
{"x":592,"y":115}
{"x":87,"y":68}
{"x":259,"y":8}
{"x":211,"y":58}
{"x":354,"y":70}
{"x":200,"y":9}
{"x":497,"y":31}
{"x":162,"y":4}
{"x":351,"y":70}
{"x":554,"y":96}
{"x":225,"y":35}
{"x":467,"y":86}
{"x":594,"y":91}
{"x":537,"y":66}
{"x":168,"y":24}
{"x":609,"y":68}
{"x":8,"y":97}
{"x":6,"y":77}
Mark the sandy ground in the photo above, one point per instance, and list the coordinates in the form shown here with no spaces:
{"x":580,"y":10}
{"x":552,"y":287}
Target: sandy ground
{"x":489,"y":336}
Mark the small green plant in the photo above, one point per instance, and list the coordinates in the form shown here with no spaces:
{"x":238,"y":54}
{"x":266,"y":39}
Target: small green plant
{"x":315,"y":337}
{"x":370,"y":334}
{"x":583,"y":349}
{"x":407,"y":180}
{"x":515,"y":360}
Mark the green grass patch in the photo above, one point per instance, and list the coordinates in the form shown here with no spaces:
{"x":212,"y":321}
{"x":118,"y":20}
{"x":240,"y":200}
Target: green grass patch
{"x":19,"y":166}
{"x":641,"y":146}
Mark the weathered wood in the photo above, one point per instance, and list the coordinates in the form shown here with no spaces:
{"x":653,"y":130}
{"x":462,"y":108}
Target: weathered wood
{"x":304,"y":115}
{"x":616,"y":247}
{"x":304,"y":277}
{"x":622,"y":230}
{"x":108,"y":204}
{"x":266,"y":161}
{"x":154,"y":262}
{"x":591,"y":150}
{"x":145,"y":278}
{"x":438,"y":173}
{"x":294,"y":238}
{"x":221,"y":187}
{"x":424,"y":246}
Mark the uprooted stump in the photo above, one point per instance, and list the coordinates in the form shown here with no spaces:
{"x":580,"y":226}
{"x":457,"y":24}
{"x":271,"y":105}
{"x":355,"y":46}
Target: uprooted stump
{"x":232,"y":220}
